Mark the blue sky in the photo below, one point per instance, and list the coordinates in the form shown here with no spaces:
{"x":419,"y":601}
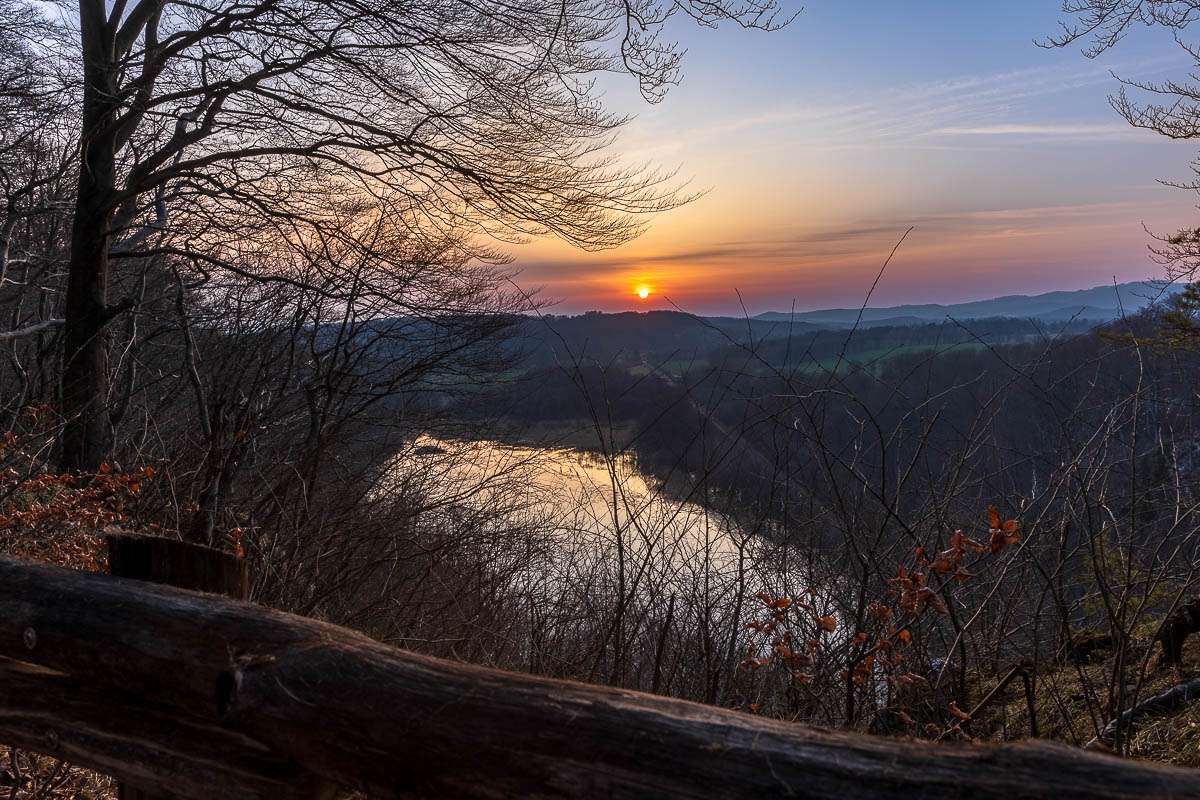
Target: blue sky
{"x":818,"y":145}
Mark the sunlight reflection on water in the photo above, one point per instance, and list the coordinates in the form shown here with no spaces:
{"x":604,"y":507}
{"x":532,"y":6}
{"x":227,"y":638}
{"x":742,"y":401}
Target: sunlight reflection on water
{"x":608,"y":506}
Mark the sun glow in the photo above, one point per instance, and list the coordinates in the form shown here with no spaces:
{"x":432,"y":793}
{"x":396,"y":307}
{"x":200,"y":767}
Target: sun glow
{"x":642,"y":291}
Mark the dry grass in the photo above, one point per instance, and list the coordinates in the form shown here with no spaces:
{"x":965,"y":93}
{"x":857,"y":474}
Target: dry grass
{"x":28,"y":776}
{"x":1072,"y":700}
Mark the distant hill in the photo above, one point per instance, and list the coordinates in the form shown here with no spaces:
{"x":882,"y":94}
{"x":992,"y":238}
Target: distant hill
{"x":1101,"y":304}
{"x":630,"y":338}
{"x":601,"y":337}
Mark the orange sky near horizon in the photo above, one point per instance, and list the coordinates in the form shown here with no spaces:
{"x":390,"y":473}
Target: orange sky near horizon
{"x":948,"y":259}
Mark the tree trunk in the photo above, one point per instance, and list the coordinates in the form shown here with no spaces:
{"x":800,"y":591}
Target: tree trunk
{"x":87,"y":435}
{"x":1182,"y":623}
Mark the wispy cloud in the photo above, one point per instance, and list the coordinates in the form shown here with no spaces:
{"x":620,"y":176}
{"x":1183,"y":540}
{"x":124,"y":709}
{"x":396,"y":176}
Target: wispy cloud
{"x":1002,"y":104}
{"x":738,"y":259}
{"x":1056,"y":131}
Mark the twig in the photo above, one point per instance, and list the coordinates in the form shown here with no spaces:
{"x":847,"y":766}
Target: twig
{"x":29,"y":330}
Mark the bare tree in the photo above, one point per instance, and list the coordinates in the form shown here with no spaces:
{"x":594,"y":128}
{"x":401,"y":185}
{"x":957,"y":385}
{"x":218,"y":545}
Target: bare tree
{"x":36,"y":145}
{"x":211,"y":130}
{"x":1169,"y":108}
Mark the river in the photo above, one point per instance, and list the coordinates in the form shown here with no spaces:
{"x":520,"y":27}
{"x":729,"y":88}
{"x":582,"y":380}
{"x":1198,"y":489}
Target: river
{"x":594,"y":512}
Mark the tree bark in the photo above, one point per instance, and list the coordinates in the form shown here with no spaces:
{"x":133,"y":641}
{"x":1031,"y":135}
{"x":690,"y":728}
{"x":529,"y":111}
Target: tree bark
{"x":87,"y":435}
{"x":173,"y":563}
{"x":183,"y":565}
{"x":140,"y":743}
{"x":397,"y":724}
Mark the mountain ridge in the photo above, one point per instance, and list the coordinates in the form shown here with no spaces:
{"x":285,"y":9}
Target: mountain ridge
{"x":1100,"y":303}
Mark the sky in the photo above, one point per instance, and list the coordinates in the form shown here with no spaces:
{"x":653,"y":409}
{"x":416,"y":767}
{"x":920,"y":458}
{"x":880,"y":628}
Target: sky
{"x":818,"y":145}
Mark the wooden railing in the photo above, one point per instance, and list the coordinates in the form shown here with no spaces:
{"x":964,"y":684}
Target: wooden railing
{"x":196,"y":696}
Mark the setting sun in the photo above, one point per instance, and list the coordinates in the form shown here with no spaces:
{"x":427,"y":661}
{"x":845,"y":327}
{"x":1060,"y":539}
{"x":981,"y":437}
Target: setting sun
{"x":643,"y":291}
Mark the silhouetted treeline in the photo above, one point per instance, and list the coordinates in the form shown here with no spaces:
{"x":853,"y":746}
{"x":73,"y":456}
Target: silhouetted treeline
{"x":659,"y":337}
{"x":1000,"y":404}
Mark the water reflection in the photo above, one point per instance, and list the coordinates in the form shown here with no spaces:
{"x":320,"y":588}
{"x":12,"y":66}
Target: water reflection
{"x":592,"y":509}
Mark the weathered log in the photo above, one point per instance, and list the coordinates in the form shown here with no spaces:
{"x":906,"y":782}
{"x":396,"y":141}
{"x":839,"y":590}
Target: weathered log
{"x":398,"y":724}
{"x":159,"y":749}
{"x":181,"y":564}
{"x":173,"y":563}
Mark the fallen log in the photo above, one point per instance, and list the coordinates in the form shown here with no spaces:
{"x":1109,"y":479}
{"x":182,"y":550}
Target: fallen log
{"x":1162,"y":704}
{"x":185,"y":565}
{"x":159,"y":749}
{"x":396,"y":724}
